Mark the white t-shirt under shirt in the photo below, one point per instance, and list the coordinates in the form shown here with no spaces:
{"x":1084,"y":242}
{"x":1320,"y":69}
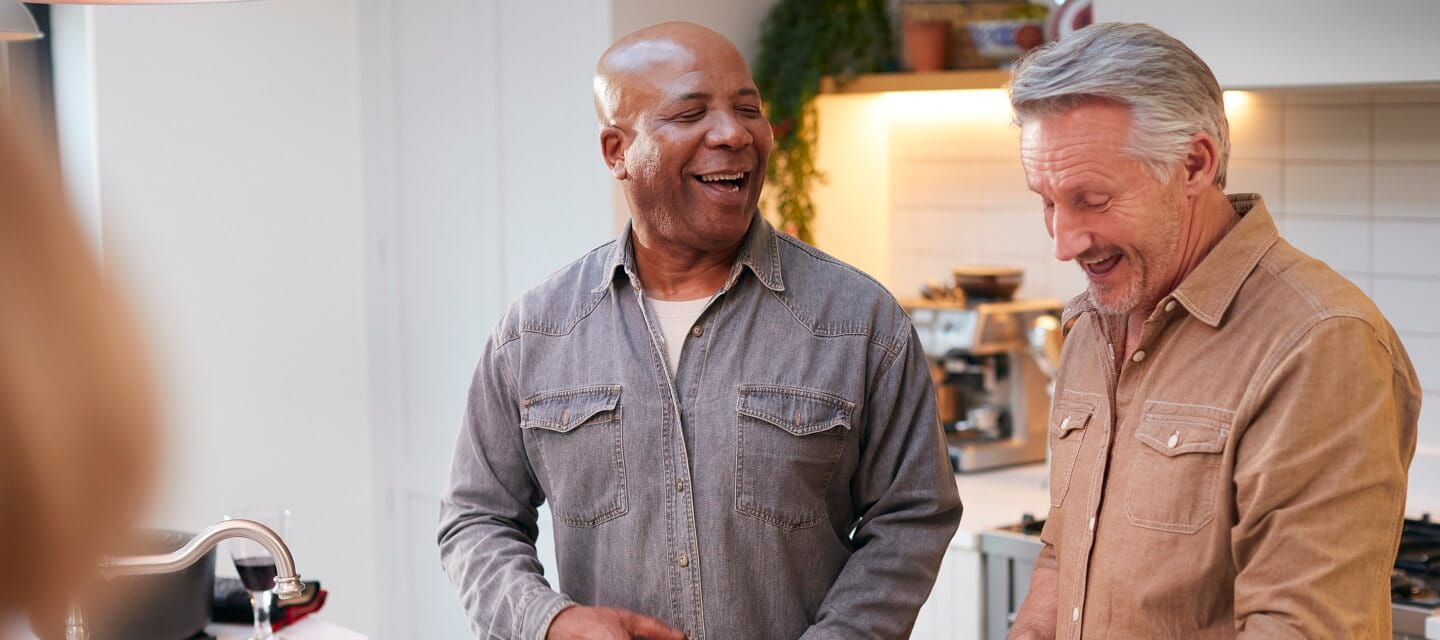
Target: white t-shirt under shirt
{"x":676,"y":319}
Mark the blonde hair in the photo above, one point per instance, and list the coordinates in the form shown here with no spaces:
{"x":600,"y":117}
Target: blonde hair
{"x":77,"y":412}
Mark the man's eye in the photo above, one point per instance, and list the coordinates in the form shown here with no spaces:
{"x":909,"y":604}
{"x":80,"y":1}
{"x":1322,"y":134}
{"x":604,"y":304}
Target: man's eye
{"x":692,"y":115}
{"x":749,"y":110}
{"x":1095,"y":202}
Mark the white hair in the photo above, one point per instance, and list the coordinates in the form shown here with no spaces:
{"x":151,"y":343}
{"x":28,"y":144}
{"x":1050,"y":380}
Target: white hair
{"x":1170,"y":91}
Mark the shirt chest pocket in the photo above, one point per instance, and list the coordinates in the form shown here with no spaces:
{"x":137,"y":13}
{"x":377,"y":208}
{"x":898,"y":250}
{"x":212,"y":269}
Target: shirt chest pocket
{"x":580,"y":438}
{"x":787,"y":444}
{"x":1174,"y":482}
{"x":1073,"y":412}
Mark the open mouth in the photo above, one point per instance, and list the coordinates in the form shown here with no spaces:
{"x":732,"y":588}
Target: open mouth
{"x":729,"y":182}
{"x":1098,"y":268}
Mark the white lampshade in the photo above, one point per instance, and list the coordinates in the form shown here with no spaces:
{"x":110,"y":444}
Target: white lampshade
{"x":16,"y":23}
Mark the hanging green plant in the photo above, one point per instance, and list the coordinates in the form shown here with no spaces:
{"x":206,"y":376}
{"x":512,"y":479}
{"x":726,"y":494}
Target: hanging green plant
{"x":802,"y":42}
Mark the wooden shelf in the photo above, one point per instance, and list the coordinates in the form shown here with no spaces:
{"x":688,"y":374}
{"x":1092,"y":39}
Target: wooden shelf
{"x":930,"y":81}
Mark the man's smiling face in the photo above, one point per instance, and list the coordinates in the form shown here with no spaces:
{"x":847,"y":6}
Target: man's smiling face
{"x":1104,"y":209}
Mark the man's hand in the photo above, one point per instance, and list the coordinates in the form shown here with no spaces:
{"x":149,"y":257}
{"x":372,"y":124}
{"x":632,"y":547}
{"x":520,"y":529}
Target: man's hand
{"x":601,"y":623}
{"x":1036,"y":618}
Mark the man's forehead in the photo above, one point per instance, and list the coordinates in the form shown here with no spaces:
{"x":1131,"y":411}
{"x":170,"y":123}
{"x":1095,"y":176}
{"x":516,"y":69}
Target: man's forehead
{"x":667,"y":63}
{"x":705,"y":83}
{"x":649,"y":57}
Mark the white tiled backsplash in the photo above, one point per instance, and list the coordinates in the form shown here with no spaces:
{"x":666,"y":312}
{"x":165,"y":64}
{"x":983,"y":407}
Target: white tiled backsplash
{"x":1352,"y":178}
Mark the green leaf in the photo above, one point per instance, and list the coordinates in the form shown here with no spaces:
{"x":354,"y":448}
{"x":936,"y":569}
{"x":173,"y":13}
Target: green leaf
{"x":801,"y":42}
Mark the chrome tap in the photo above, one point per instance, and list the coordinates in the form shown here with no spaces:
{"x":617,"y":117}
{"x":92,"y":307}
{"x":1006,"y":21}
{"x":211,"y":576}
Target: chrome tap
{"x":287,"y":581}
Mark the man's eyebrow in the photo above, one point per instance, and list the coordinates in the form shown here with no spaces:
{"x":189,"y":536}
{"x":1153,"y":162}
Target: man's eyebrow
{"x":701,"y":95}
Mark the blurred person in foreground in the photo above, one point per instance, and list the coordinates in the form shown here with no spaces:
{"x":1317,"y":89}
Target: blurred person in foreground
{"x":77,"y":416}
{"x":1233,"y":420}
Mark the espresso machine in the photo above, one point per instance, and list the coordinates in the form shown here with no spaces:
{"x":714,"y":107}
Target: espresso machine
{"x":992,"y":359}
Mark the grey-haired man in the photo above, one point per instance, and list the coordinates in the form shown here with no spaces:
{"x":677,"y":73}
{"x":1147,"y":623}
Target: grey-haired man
{"x":1233,"y":420}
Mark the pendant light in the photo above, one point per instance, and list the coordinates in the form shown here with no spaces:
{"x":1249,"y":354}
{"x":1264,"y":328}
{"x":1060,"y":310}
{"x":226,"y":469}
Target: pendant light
{"x":16,"y":23}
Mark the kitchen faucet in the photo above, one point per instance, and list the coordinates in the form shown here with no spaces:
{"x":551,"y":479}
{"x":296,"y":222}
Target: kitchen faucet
{"x":287,"y":582}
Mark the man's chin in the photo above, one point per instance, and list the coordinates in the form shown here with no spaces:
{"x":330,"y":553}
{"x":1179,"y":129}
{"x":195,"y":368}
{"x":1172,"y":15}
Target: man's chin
{"x":719,"y":233}
{"x":1111,"y":302}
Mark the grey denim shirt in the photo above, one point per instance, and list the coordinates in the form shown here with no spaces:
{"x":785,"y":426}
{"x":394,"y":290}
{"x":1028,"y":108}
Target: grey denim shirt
{"x":789,"y":480}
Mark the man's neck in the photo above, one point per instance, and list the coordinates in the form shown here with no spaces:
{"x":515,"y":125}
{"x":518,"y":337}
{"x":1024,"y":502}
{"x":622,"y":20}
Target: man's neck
{"x":678,"y":273}
{"x":1213,"y":216}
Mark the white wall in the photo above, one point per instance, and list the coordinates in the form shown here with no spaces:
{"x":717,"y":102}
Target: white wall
{"x":227,"y":175}
{"x":853,"y":146}
{"x":483,"y":175}
{"x":324,"y":206}
{"x":1296,"y":43}
{"x":738,"y":20}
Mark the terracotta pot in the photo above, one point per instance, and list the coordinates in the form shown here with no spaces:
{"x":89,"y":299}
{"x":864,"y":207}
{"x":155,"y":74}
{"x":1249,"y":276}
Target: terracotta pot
{"x":926,"y":42}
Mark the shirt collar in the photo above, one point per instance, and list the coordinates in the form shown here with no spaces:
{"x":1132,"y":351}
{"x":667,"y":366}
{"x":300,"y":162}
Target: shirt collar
{"x":1208,"y":291}
{"x":759,"y":252}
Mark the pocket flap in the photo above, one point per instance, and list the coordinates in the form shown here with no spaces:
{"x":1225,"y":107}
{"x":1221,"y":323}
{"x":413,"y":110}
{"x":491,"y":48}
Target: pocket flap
{"x":1069,"y":418}
{"x":800,"y":411}
{"x":1176,"y":429}
{"x":569,"y":408}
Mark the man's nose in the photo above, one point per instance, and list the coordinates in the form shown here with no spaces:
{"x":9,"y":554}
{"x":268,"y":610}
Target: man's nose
{"x":728,"y":132}
{"x":1071,"y":237}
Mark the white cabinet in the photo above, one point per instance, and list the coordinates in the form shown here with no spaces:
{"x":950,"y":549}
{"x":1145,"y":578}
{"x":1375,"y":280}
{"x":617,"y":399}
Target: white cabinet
{"x":1295,"y":43}
{"x":953,"y":611}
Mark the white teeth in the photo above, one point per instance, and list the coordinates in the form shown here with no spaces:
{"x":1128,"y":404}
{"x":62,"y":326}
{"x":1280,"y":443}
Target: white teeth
{"x":716,"y":177}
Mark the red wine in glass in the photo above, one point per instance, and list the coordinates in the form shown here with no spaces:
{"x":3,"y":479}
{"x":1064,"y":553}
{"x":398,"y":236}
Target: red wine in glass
{"x":257,"y":573}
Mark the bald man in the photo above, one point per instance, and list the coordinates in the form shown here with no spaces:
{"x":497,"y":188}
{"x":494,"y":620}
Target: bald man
{"x":735,"y":432}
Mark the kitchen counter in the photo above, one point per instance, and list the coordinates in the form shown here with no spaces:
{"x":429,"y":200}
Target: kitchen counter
{"x":992,"y":499}
{"x":309,"y":628}
{"x":997,"y":498}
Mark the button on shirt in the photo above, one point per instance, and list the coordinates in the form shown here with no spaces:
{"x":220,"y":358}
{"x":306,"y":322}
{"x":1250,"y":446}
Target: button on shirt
{"x":785,"y":480}
{"x":677,"y":318}
{"x":1243,"y":474}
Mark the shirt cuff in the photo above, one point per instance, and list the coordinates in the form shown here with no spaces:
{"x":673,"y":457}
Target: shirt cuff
{"x":540,"y":608}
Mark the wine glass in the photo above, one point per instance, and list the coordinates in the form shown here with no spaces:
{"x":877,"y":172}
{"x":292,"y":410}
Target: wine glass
{"x":256,"y":566}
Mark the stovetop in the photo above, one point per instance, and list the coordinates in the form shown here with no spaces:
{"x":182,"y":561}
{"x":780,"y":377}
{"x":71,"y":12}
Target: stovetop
{"x":1415,"y":580}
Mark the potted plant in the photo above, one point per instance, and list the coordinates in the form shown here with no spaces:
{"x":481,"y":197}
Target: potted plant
{"x":802,"y":42}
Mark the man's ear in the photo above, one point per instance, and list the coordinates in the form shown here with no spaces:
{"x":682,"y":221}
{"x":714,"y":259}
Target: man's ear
{"x":1201,"y":163}
{"x":613,"y":144}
